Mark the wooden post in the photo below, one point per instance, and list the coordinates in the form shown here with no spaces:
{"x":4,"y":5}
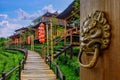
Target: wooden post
{"x":47,"y":48}
{"x":20,"y":42}
{"x":47,"y":39}
{"x":71,"y":37}
{"x":25,"y":58}
{"x":32,"y":42}
{"x":23,"y":63}
{"x":65,"y":24}
{"x":20,"y":65}
{"x":63,"y":78}
{"x":42,"y":50}
{"x":71,"y":52}
{"x":56,"y":71}
{"x":3,"y":76}
{"x":50,"y":62}
{"x":51,"y":32}
{"x":45,"y":54}
{"x":65,"y":52}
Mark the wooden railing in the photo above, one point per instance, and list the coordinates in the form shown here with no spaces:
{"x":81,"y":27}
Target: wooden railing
{"x":71,"y":31}
{"x":18,"y":67}
{"x":60,"y":51}
{"x":58,"y":71}
{"x":67,"y":33}
{"x":56,"y":41}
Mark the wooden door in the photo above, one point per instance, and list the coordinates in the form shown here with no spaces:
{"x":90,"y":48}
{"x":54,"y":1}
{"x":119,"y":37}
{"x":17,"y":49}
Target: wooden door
{"x":108,"y":65}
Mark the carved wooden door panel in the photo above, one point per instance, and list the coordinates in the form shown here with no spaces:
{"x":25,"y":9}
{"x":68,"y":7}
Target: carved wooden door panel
{"x":107,"y":67}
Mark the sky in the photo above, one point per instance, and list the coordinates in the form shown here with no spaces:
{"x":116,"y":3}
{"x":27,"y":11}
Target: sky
{"x":15,"y":14}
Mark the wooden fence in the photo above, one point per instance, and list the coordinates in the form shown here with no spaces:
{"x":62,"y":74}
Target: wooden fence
{"x":58,"y":71}
{"x":18,"y":67}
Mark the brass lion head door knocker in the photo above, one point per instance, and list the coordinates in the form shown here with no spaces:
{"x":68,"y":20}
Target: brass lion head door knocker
{"x":94,"y":37}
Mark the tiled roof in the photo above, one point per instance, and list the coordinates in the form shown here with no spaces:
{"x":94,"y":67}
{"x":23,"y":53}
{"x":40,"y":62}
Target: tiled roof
{"x":66,"y":12}
{"x":23,"y":28}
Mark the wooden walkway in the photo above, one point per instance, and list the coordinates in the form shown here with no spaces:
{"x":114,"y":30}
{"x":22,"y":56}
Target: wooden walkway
{"x":36,"y":68}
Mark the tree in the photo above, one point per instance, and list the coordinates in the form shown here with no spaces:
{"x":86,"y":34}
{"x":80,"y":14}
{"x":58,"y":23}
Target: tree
{"x":54,"y":24}
{"x":75,"y":12}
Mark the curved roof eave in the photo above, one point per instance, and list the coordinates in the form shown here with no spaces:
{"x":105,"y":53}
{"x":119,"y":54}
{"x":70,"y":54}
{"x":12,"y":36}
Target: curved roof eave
{"x":66,"y":12}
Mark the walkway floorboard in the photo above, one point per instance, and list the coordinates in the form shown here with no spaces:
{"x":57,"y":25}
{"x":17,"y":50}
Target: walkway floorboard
{"x":36,"y":69}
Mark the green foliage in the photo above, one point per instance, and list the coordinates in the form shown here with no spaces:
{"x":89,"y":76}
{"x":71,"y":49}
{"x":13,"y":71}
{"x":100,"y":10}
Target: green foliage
{"x":8,"y":60}
{"x":54,"y":21}
{"x":70,"y":68}
{"x":30,"y":31}
{"x":76,"y":5}
{"x":2,"y":40}
{"x":76,"y":51}
{"x":57,"y":47}
{"x":54,"y":24}
{"x":38,"y":48}
{"x":76,"y":9}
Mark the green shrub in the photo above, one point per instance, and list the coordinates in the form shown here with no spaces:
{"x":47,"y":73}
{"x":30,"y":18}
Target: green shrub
{"x":9,"y":59}
{"x":69,"y":67}
{"x":75,"y":51}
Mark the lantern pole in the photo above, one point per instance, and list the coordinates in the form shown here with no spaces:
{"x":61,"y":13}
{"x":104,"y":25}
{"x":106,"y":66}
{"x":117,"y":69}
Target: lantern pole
{"x":43,"y":50}
{"x":65,"y":23}
{"x":15,"y":43}
{"x":32,"y":42}
{"x":47,"y":40}
{"x":51,"y":38}
{"x":20,"y":41}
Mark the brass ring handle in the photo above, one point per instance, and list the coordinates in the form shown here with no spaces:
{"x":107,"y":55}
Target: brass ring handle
{"x":94,"y":59}
{"x":95,"y":35}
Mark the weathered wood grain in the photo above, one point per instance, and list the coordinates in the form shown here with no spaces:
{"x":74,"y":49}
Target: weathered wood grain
{"x":36,"y":69}
{"x":108,"y":65}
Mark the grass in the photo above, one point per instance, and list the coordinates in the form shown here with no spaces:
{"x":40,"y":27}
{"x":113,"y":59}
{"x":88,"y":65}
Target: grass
{"x":69,"y":73}
{"x":70,"y":68}
{"x":8,"y":60}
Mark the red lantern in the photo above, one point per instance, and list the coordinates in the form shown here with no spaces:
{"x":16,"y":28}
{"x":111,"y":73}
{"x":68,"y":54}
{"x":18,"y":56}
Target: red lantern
{"x":42,"y":40}
{"x":17,"y":41}
{"x":42,"y":36}
{"x":41,"y":33}
{"x":28,"y":40}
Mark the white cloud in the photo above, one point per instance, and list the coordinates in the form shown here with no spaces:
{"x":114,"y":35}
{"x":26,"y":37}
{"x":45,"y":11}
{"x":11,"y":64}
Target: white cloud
{"x":22,"y":15}
{"x":49,"y":8}
{"x":5,"y":16}
{"x":4,"y":22}
{"x":8,"y":26}
{"x":7,"y":29}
